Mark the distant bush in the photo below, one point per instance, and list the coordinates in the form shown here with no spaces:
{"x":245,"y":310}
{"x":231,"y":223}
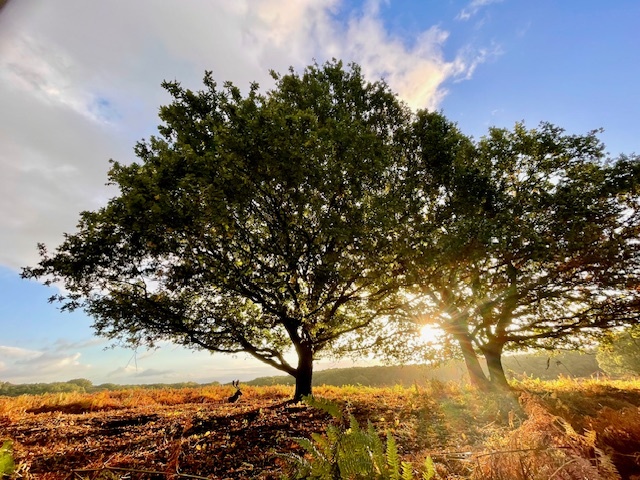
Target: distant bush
{"x":543,"y":365}
{"x":82,"y":385}
{"x":11,"y":390}
{"x":87,"y":385}
{"x":619,"y":354}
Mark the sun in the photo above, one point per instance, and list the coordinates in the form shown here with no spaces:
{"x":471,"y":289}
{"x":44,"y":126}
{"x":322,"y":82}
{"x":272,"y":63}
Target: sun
{"x":431,"y":334}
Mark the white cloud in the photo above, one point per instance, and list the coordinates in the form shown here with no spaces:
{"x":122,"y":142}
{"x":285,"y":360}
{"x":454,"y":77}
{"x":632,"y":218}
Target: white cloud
{"x":49,"y":362}
{"x":417,"y":71}
{"x":79,"y":84}
{"x":473,"y":8}
{"x":21,"y":365}
{"x":47,"y":74}
{"x":17,"y":352}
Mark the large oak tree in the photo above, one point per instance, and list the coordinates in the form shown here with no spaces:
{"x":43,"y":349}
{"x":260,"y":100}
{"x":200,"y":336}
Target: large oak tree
{"x":535,"y":245}
{"x":259,"y":223}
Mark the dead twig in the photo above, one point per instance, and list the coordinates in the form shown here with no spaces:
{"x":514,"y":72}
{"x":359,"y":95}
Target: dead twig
{"x":495,"y":452}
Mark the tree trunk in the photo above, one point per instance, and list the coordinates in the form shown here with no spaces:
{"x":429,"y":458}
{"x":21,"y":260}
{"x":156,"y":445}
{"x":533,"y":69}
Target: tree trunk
{"x":476,"y":374}
{"x":493,"y":355}
{"x":304,"y":373}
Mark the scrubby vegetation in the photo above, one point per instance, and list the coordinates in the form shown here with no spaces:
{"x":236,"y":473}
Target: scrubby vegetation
{"x":562,"y":429}
{"x":619,"y":353}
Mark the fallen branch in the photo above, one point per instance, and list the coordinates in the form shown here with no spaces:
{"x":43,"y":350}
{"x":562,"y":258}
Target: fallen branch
{"x":495,"y":452}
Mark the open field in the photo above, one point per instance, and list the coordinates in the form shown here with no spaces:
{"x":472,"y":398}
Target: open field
{"x":553,"y":430}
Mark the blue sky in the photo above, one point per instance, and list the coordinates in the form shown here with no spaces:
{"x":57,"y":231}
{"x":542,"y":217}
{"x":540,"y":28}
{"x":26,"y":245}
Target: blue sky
{"x":80,"y":83}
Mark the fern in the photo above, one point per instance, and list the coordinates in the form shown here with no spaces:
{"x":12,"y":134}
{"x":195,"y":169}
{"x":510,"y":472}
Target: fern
{"x":7,"y":465}
{"x":407,"y":471}
{"x":428,"y":469}
{"x":350,"y":452}
{"x":326,"y":406}
{"x":393,"y":459}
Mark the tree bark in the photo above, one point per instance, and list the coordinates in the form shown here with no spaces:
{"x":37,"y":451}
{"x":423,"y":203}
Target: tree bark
{"x":493,"y":355}
{"x":476,"y":374}
{"x":304,"y":373}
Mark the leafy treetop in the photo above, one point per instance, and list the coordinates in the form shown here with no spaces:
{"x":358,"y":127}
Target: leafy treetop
{"x":254,"y":223}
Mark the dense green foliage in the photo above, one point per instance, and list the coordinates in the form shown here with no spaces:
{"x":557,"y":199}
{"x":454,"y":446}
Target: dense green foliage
{"x":7,"y":464}
{"x":536,"y":245}
{"x":258,"y":223}
{"x":619,"y":353}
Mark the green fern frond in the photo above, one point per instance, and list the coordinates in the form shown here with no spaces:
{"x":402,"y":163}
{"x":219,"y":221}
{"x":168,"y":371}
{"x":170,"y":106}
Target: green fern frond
{"x":393,"y":460}
{"x":353,"y":424}
{"x":333,"y":434}
{"x":377,"y":446}
{"x":7,"y":465}
{"x":351,"y":452}
{"x":326,"y":406}
{"x":323,"y":443}
{"x":311,"y":448}
{"x":429,"y":469}
{"x":407,"y":471}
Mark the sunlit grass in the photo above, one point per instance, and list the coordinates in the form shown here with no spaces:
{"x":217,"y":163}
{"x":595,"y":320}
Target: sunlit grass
{"x":581,"y":384}
{"x":540,"y":430}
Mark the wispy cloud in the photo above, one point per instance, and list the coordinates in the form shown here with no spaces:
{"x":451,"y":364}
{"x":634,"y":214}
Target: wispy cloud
{"x":417,"y":70}
{"x":24,"y":366}
{"x":473,"y":8}
{"x":16,"y":352}
{"x":476,"y":57}
{"x":130,"y":373}
{"x":63,"y":345}
{"x":48,"y":74}
{"x":154,"y":372}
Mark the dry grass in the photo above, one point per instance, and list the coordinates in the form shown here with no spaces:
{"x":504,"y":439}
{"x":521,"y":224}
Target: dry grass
{"x":563,"y":429}
{"x":544,"y":447}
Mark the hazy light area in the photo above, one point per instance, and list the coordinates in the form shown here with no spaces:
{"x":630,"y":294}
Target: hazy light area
{"x":431,"y":334}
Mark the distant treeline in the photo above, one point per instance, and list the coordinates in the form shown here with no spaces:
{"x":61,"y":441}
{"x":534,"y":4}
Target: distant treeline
{"x":82,"y":385}
{"x":545,"y":367}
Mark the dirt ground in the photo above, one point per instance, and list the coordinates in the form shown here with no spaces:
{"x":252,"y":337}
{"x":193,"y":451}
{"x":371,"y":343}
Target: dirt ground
{"x":465,"y":432}
{"x":208,"y":440}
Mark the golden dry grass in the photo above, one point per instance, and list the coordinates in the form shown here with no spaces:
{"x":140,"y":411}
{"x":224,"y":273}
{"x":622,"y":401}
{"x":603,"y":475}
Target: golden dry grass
{"x":562,"y":429}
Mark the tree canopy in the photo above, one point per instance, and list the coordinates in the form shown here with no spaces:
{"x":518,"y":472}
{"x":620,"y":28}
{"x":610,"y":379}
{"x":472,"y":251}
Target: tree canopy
{"x":536,"y":245}
{"x":308,"y":217}
{"x":254,"y":223}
